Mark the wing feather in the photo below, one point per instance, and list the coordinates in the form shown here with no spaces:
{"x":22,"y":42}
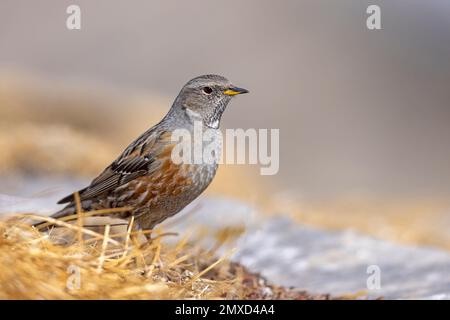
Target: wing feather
{"x":130,"y":165}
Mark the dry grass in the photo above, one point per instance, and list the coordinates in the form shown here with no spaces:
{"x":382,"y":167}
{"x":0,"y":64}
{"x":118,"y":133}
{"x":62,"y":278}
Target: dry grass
{"x":108,"y":266}
{"x":70,"y":261}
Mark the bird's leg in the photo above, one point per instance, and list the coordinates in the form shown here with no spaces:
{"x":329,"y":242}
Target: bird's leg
{"x":147,"y":233}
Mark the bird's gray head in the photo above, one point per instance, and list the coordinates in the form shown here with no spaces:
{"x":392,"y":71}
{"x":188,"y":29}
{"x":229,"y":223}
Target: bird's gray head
{"x":205,"y":98}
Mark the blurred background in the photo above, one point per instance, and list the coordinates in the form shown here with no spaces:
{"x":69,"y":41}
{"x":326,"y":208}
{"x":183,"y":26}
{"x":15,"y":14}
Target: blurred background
{"x":363,"y":115}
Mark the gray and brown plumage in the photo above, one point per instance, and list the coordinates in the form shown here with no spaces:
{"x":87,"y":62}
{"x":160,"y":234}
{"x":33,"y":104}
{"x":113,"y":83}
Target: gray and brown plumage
{"x":144,"y":177}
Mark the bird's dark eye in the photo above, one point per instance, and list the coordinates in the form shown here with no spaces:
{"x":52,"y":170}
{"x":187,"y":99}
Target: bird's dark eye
{"x":207,"y":90}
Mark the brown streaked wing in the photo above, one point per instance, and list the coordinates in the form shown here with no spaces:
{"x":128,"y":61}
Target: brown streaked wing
{"x":126,"y":168}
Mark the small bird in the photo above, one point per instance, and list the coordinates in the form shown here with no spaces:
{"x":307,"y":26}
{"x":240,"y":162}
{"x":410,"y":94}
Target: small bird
{"x":144,"y":177}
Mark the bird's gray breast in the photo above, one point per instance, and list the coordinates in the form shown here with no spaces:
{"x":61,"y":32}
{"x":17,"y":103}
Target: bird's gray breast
{"x":200,"y":170}
{"x":206,"y":164}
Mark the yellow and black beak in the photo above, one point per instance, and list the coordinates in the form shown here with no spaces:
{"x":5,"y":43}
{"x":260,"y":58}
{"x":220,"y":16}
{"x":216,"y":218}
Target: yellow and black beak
{"x":232,"y":91}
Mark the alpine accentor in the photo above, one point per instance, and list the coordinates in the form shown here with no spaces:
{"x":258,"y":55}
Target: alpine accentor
{"x":144,"y":177}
